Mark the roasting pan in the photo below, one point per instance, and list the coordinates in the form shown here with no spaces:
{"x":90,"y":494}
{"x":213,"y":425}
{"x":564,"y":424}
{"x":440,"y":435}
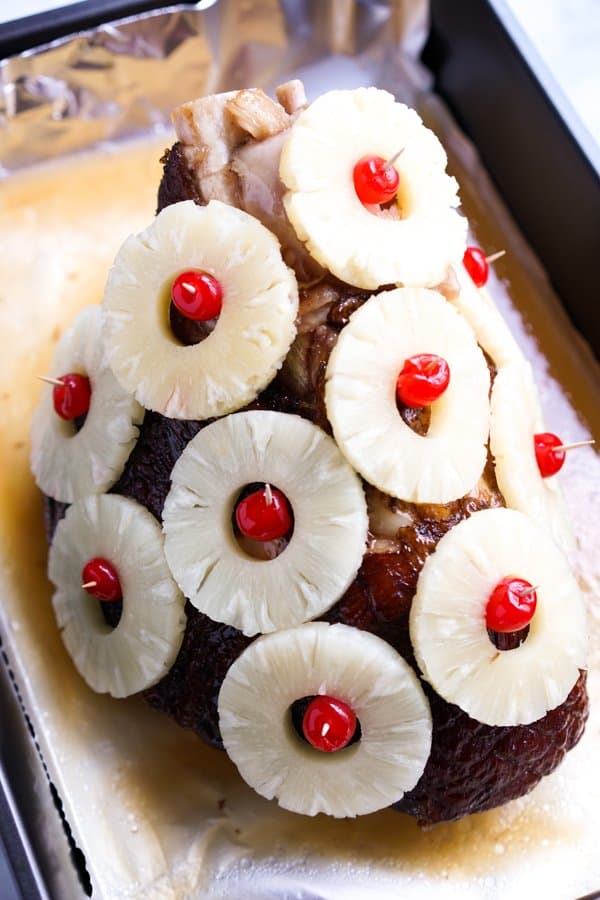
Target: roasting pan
{"x":529,"y":140}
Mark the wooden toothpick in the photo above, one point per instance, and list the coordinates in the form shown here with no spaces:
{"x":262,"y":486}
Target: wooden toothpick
{"x":47,"y":380}
{"x":390,"y":162}
{"x":574,"y":445}
{"x":522,"y":592}
{"x":89,"y":584}
{"x":494,"y":256}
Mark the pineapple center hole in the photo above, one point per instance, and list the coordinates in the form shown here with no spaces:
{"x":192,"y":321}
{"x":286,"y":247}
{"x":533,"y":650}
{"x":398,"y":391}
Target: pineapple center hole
{"x":398,"y":207}
{"x":79,"y":422}
{"x":179,"y":328}
{"x":509,"y":640}
{"x":404,"y":199}
{"x":297,"y":711}
{"x":71,"y":427}
{"x":111,"y":611}
{"x":262,"y":550}
{"x":418,"y":420}
{"x":186,"y":331}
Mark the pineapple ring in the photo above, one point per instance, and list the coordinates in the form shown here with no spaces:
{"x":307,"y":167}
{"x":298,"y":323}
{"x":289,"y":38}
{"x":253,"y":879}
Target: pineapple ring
{"x":254,"y":331}
{"x":352,"y":665}
{"x":490,"y":327}
{"x":512,"y":427}
{"x":143,"y":646}
{"x":363,"y":249}
{"x":330,"y":521}
{"x":360,"y":396}
{"x":68,"y":465}
{"x":448,"y":626}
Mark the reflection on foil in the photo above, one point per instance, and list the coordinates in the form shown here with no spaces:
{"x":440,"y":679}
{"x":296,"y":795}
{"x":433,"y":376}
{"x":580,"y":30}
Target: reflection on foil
{"x":115,"y":81}
{"x":123,"y":78}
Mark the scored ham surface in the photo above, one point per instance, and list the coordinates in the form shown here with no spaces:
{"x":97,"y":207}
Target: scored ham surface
{"x":472,"y":766}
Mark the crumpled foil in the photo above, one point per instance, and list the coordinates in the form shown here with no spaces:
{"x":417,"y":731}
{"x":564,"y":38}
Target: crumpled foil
{"x":124,"y":78}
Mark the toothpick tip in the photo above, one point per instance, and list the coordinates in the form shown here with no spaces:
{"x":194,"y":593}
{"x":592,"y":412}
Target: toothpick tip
{"x":574,"y":445}
{"x":494,"y":256}
{"x":522,"y":592}
{"x":390,"y":162}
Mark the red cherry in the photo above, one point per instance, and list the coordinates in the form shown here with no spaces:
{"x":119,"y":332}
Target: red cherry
{"x":422,"y":380}
{"x":476,"y":265}
{"x":549,"y":459}
{"x":72,"y":399}
{"x":511,"y":605}
{"x":374,"y":180}
{"x":102,"y":578}
{"x":328,"y":724}
{"x":197,"y":295}
{"x":261,"y":520}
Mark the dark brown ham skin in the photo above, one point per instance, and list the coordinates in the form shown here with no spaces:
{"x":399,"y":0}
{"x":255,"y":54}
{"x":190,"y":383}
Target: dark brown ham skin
{"x":177,"y":183}
{"x":472,"y":766}
{"x":189,"y":692}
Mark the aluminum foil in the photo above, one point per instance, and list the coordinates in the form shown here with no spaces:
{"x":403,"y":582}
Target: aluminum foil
{"x":158,"y":814}
{"x":124,"y":78}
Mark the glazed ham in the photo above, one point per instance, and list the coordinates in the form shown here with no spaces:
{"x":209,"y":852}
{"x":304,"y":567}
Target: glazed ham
{"x":228,"y":149}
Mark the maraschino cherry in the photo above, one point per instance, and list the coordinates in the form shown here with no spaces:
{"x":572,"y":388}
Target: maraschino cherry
{"x":511,"y":605}
{"x":72,"y":397}
{"x":476,"y":265}
{"x":550,"y":452}
{"x":264,"y":515}
{"x":328,"y":724}
{"x":549,"y":458}
{"x":197,"y":295}
{"x":100,"y":579}
{"x":375,"y":180}
{"x":422,"y":380}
